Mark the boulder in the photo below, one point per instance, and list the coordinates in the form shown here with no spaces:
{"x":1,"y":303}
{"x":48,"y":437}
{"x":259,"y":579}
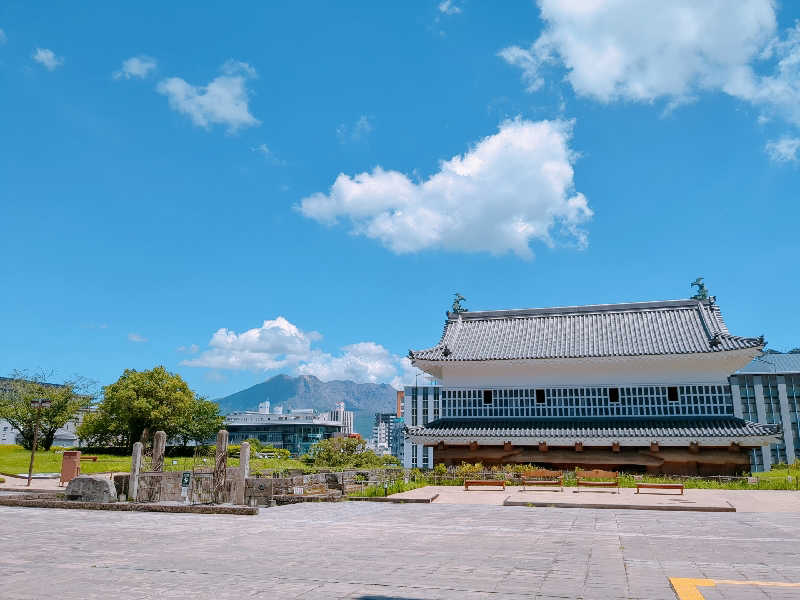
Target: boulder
{"x":91,"y":489}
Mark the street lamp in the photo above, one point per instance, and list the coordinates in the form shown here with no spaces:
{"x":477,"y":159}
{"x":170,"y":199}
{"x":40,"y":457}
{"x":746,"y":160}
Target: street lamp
{"x":39,"y":404}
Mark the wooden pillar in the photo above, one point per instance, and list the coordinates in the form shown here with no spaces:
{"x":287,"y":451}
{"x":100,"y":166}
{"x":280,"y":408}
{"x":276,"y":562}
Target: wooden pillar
{"x":615,"y":447}
{"x":159,"y":446}
{"x":654,"y":447}
{"x":220,"y":465}
{"x":578,"y":446}
{"x":507,"y":447}
{"x":542,"y":446}
{"x":136,"y":466}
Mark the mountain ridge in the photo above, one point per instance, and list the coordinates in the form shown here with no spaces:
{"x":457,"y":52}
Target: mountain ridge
{"x":308,"y":391}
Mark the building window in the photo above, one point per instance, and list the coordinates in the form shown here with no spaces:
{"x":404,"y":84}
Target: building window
{"x":747,"y":396}
{"x":772,"y":403}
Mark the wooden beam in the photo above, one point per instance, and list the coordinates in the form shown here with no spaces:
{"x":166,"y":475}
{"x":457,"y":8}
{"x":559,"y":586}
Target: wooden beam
{"x":442,"y":445}
{"x":615,"y":446}
{"x":734,"y":447}
{"x":694,"y":448}
{"x":654,"y":447}
{"x":542,"y":446}
{"x":578,"y":446}
{"x":473,"y":446}
{"x":507,"y":446}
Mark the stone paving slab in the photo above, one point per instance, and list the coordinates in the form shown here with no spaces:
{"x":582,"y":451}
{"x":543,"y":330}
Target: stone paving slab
{"x":739,"y":500}
{"x":400,"y":551}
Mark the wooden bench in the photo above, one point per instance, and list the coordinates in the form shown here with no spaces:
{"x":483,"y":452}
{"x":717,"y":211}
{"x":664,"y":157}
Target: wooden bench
{"x":92,"y":458}
{"x":590,"y":479}
{"x":484,"y":482}
{"x":660,"y":486}
{"x":543,"y":477}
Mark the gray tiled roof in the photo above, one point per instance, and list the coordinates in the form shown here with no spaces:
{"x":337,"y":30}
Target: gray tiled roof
{"x":635,"y":329}
{"x":597,"y":428}
{"x":772,"y":363}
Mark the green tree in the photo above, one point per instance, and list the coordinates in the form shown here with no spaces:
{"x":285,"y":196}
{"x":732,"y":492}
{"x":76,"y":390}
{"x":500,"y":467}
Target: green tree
{"x":140,"y":403}
{"x":203,"y":422}
{"x":65,"y":403}
{"x":345,"y":452}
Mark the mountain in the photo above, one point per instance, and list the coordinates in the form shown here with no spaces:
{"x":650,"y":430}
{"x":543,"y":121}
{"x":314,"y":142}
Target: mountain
{"x":306,"y":391}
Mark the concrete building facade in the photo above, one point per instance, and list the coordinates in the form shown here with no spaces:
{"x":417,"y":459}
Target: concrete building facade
{"x":767,"y":390}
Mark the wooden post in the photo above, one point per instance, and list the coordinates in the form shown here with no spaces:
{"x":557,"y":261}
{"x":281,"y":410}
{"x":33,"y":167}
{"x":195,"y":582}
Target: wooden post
{"x":136,"y":466}
{"x":159,"y":446}
{"x":220,"y":465}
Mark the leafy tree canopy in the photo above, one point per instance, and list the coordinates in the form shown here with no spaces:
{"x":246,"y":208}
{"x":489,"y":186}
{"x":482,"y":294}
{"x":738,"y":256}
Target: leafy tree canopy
{"x":66,"y":400}
{"x":140,"y":403}
{"x":346,"y":452}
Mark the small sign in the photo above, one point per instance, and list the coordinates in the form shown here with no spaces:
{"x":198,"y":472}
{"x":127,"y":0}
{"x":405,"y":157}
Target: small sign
{"x":186,"y":478}
{"x":298,"y":491}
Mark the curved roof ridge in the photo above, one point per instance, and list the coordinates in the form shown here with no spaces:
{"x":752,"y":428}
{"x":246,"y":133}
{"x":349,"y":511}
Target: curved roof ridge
{"x":584,"y":308}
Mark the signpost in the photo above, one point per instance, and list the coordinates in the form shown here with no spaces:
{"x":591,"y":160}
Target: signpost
{"x":186,"y":478}
{"x":39,"y":404}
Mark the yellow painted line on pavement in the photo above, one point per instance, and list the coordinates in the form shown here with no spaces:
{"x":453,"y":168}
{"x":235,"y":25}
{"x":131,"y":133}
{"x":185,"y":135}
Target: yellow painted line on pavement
{"x":687,"y":588}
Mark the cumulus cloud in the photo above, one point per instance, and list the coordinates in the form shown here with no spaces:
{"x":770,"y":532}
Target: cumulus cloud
{"x":784,"y":150}
{"x":511,"y":188}
{"x":136,"y":338}
{"x":279,"y":344}
{"x":47,"y":58}
{"x":136,"y":66}
{"x":355,"y":132}
{"x":644,"y":50}
{"x":224,"y":101}
{"x":191,"y":349}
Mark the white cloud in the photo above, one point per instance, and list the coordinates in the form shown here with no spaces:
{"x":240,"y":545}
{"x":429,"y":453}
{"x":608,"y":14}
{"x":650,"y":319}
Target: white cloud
{"x":191,"y":349}
{"x":449,"y":7}
{"x":784,"y":150}
{"x":274,"y":345}
{"x":47,"y":58}
{"x":279,"y":344}
{"x":509,"y":189}
{"x":136,"y":66}
{"x":223,"y":101}
{"x":268,"y":154}
{"x":136,"y":338}
{"x":356,"y":132}
{"x":644,"y":50}
{"x":3,"y":37}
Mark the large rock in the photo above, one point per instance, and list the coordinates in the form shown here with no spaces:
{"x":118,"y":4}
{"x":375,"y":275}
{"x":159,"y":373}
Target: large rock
{"x":91,"y":489}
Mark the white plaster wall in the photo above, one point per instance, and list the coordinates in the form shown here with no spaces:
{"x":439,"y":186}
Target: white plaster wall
{"x":666,"y":370}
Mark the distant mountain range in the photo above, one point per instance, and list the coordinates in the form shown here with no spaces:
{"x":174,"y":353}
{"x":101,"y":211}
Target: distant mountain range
{"x":306,"y":391}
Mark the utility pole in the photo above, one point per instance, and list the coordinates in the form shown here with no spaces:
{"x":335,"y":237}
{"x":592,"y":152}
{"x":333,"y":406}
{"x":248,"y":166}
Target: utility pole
{"x":39,"y":403}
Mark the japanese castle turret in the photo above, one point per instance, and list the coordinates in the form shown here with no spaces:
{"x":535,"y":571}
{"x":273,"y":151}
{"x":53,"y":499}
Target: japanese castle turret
{"x":634,"y":387}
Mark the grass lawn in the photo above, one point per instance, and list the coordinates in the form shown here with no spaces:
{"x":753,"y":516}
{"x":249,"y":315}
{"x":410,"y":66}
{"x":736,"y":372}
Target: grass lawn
{"x":15,"y":459}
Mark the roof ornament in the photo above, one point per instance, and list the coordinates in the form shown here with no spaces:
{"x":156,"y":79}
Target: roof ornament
{"x":446,"y":352}
{"x":702,"y":290}
{"x":457,"y":308}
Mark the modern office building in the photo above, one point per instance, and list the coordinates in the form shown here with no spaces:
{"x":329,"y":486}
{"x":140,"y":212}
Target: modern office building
{"x":296,"y":430}
{"x":767,"y":390}
{"x":637,"y":386}
{"x":421,"y":405}
{"x":382,"y":432}
{"x":397,"y":441}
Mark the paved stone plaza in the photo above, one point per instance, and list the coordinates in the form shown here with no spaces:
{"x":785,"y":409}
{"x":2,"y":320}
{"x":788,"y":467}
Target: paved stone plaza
{"x":387,"y":551}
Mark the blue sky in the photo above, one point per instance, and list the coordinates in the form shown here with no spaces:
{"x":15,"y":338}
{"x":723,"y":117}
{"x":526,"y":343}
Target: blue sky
{"x":239,"y":191}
